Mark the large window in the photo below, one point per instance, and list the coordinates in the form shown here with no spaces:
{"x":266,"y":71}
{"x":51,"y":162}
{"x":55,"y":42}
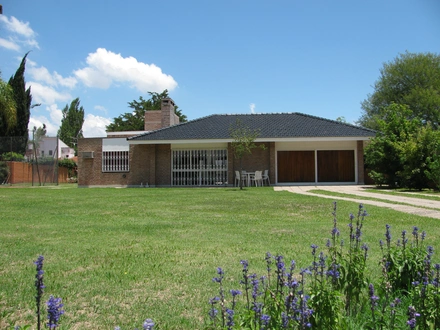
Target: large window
{"x":115,"y":155}
{"x":199,"y":167}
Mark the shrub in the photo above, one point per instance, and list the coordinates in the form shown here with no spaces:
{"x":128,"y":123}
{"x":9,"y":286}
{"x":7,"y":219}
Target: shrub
{"x":71,"y":166}
{"x":4,"y":172}
{"x":12,"y":156}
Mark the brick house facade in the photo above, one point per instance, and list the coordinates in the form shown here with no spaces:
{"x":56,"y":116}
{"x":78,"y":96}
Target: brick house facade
{"x":298,"y":149}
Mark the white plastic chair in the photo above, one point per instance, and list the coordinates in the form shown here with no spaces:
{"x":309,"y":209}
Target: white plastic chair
{"x":266,"y":177}
{"x":258,"y":178}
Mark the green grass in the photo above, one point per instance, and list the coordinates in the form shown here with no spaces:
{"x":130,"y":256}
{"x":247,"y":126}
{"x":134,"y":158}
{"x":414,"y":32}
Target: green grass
{"x":118,"y":256}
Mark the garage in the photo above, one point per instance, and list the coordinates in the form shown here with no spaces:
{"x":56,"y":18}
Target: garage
{"x":330,"y":166}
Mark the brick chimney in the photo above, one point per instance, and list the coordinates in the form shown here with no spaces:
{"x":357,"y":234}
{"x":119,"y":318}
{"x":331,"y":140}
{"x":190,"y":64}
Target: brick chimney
{"x":165,"y":117}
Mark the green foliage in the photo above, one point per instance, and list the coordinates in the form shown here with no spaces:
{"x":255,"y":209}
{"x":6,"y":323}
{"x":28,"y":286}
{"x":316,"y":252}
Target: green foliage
{"x":404,"y":152}
{"x":416,"y":155}
{"x":4,"y":171}
{"x":23,"y":100}
{"x":403,"y":262}
{"x":135,"y":120}
{"x":71,"y":124}
{"x":8,"y":113}
{"x":12,"y":156}
{"x":71,"y":165}
{"x":411,"y":79}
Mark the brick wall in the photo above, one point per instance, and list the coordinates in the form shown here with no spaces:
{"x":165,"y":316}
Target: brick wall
{"x":259,"y":160}
{"x":153,"y":120}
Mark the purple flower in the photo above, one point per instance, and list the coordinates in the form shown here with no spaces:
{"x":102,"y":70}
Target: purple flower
{"x":213,"y":313}
{"x":245,"y":264}
{"x":39,"y":285}
{"x":388,"y":235}
{"x":230,"y":323}
{"x":235,"y":293}
{"x":148,"y":324}
{"x":412,"y":317}
{"x":54,"y":312}
{"x":265,"y":321}
{"x":314,"y":247}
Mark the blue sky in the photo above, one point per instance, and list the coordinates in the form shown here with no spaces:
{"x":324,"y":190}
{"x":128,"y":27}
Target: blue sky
{"x":316,"y":57}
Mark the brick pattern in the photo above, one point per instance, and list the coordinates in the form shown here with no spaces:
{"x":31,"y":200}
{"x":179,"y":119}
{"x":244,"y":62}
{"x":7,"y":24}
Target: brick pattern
{"x":260,"y":160}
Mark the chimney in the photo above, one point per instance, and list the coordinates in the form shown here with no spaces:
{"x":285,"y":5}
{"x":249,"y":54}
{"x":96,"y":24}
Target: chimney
{"x":156,"y":119}
{"x":169,"y":118}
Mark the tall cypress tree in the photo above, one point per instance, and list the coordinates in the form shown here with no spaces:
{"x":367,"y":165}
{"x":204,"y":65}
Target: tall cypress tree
{"x":23,"y":99}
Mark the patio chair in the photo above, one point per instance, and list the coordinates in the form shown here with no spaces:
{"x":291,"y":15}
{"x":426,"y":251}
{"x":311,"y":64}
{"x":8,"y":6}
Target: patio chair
{"x":266,"y":177}
{"x":257,"y":178}
{"x":239,"y":177}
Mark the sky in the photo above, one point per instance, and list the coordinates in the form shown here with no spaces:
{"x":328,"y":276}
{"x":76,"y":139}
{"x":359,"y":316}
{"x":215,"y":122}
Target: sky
{"x":318,"y":57}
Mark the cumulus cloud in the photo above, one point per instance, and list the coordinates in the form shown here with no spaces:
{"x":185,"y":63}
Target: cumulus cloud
{"x":105,"y":68}
{"x":51,"y":117}
{"x":20,"y":34}
{"x":46,"y":94}
{"x":94,"y":126}
{"x":53,"y":79}
{"x":252,"y":107}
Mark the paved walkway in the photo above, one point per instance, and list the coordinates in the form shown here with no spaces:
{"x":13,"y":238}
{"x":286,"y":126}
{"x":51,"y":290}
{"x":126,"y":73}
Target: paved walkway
{"x":412,"y":205}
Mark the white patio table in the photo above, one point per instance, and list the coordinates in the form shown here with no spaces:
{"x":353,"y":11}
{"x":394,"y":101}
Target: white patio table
{"x":248,"y":175}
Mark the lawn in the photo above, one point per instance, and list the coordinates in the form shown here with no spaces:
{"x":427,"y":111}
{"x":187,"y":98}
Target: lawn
{"x":119,"y":256}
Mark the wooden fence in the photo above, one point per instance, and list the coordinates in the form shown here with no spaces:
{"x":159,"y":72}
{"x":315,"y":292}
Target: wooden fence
{"x":20,"y":172}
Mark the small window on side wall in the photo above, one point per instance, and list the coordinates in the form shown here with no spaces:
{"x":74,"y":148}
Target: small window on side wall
{"x":115,"y":161}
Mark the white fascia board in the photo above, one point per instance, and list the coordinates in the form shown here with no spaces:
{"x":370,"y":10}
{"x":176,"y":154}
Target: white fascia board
{"x":295,"y":139}
{"x":195,"y":141}
{"x":314,"y":139}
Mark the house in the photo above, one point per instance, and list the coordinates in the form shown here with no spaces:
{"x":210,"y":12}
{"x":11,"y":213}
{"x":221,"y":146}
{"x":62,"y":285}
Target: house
{"x":298,"y":149}
{"x":51,"y":147}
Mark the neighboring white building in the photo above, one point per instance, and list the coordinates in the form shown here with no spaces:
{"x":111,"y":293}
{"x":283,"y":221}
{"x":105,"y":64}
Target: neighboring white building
{"x":51,"y":147}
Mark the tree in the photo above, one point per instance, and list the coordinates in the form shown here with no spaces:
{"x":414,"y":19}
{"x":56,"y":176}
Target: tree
{"x":71,"y":124}
{"x":23,"y":100}
{"x":383,"y":153}
{"x":134,"y":121}
{"x":419,"y":159}
{"x":8,"y":113}
{"x":243,"y":142}
{"x":412,"y":79}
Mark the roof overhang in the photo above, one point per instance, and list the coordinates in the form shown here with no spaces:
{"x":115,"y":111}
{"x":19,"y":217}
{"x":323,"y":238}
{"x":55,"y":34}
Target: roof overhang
{"x":258,"y":140}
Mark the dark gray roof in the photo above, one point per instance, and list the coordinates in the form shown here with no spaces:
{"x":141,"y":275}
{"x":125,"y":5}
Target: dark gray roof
{"x":270,"y":126}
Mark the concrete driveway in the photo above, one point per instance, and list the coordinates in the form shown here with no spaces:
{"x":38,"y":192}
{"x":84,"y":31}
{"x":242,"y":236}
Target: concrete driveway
{"x":410,"y":204}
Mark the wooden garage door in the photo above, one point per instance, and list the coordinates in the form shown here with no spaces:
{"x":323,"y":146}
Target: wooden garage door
{"x":296,"y":166}
{"x":336,"y":166}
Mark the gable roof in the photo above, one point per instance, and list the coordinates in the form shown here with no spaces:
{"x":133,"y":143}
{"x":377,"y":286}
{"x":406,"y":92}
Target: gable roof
{"x":271,"y":126}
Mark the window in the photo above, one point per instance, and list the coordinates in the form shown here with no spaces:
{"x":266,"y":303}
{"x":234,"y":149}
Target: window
{"x":115,"y":155}
{"x":200,"y":167}
{"x":50,"y":152}
{"x":115,"y":161}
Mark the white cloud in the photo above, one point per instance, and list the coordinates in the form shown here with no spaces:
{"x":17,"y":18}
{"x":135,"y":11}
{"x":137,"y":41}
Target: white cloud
{"x":21,"y":33}
{"x":252,"y":107}
{"x":42,"y":74}
{"x":105,"y":68}
{"x":46,"y":94}
{"x":94,"y":126}
{"x":8,"y":44}
{"x":52,"y":120}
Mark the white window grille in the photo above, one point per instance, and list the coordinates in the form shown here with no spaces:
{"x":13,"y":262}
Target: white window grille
{"x":199,"y":167}
{"x":115,"y":161}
